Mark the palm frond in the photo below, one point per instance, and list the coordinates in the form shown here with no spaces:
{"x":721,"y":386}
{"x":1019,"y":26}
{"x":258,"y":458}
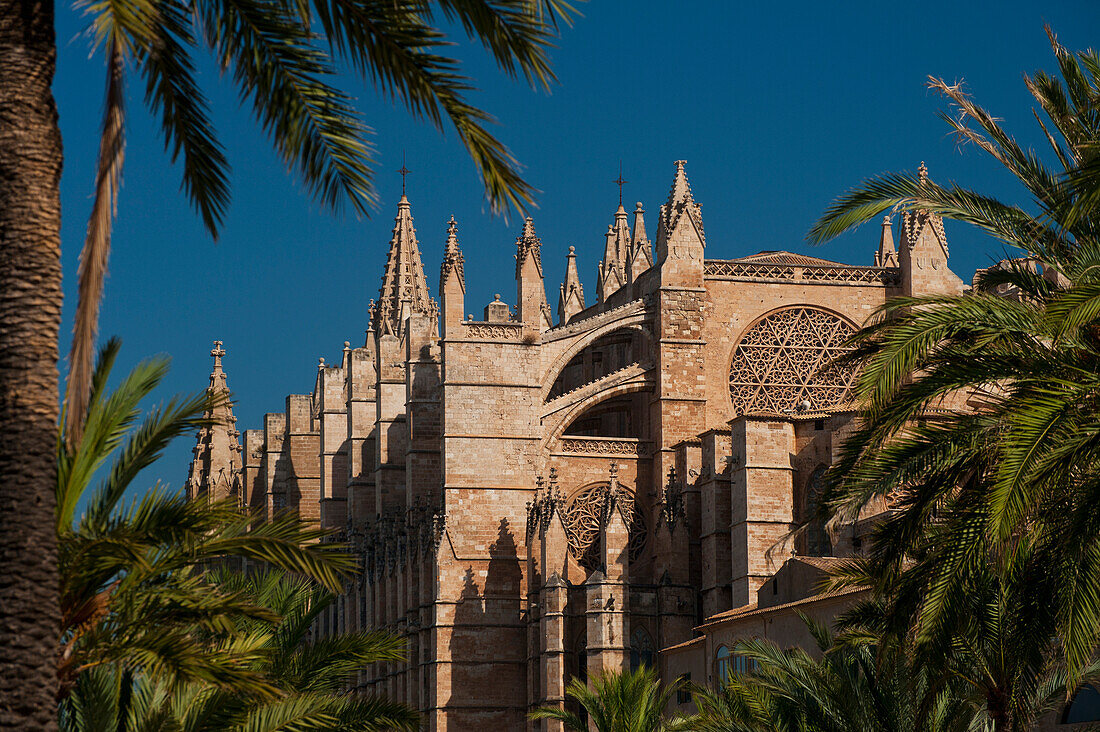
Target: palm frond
{"x":92,"y":269}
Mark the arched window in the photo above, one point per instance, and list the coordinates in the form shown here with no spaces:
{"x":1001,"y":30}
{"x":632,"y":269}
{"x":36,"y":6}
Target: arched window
{"x":641,"y":649}
{"x":582,"y":658}
{"x":1084,"y":707}
{"x":818,"y":543}
{"x":722,"y":665}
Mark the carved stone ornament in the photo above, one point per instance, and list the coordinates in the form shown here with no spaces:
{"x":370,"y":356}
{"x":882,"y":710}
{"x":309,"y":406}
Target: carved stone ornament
{"x":585,"y":516}
{"x":785,"y":363}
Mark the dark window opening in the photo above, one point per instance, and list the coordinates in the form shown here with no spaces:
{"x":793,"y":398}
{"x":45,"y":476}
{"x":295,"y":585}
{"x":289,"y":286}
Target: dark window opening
{"x":683,"y":695}
{"x":612,"y":418}
{"x":604,"y":356}
{"x":641,"y":650}
{"x":1084,"y":707}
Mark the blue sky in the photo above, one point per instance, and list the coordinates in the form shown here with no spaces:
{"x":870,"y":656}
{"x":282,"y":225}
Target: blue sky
{"x":777,"y":107}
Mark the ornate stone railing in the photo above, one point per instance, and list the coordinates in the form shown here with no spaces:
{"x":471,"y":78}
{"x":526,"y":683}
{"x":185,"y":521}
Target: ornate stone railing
{"x":722,"y":269}
{"x":615,"y":446}
{"x":493,"y":331}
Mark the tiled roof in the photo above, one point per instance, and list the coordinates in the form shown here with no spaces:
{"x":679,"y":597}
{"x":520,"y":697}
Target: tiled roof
{"x":789,"y":258}
{"x":823,"y":562}
{"x":685,"y":644}
{"x":747,"y":611}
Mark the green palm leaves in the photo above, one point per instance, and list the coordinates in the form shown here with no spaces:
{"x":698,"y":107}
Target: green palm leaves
{"x":301,"y":685}
{"x":617,"y":702}
{"x":133,"y":589}
{"x":284,"y":57}
{"x":855,"y":684}
{"x":981,"y":418}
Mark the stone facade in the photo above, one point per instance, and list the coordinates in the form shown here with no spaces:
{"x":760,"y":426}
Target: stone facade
{"x":535,"y":499}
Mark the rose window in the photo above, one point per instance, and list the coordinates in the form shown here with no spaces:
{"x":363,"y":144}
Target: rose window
{"x":786,"y":363}
{"x":583,"y":523}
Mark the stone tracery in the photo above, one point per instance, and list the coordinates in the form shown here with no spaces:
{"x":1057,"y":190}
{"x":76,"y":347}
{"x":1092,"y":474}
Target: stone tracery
{"x":584,"y":515}
{"x":787,"y":360}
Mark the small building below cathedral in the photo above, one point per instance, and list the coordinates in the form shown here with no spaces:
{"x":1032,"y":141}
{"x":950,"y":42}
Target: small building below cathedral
{"x":536,"y":498}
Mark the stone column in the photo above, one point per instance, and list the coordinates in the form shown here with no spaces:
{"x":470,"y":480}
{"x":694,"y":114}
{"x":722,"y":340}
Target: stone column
{"x":606,"y":589}
{"x":761,"y":501}
{"x":553,"y":597}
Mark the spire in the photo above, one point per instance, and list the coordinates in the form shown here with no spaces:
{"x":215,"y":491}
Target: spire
{"x":639,"y":236}
{"x":641,"y":252}
{"x":531,"y":307}
{"x":611,"y":273}
{"x":914,"y":223}
{"x":217,"y":452}
{"x":681,"y":189}
{"x":527,"y":243}
{"x":404,"y":289}
{"x":572,"y":291}
{"x":622,"y":235}
{"x":452,"y":282}
{"x":680,"y":203}
{"x":616,"y":256}
{"x":886,"y":256}
{"x":922,"y":250}
{"x":453,"y":261}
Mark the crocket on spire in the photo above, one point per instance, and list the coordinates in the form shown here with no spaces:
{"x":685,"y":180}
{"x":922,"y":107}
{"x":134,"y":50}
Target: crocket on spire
{"x":217,"y":452}
{"x":403,"y":281}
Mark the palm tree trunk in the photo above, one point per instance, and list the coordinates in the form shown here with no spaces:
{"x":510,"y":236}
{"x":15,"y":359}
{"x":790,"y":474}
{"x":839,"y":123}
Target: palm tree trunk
{"x":30,"y":315}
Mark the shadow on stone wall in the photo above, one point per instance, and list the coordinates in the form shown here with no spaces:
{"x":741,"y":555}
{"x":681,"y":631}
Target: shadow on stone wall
{"x":488,"y":643}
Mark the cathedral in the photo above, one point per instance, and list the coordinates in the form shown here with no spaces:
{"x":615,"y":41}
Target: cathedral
{"x":535,"y":499}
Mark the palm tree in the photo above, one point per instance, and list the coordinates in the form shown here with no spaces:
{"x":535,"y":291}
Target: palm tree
{"x":300,"y":684}
{"x":283,"y":57}
{"x":631,"y":701}
{"x":133,"y":585}
{"x":281,"y":54}
{"x":857,"y":683}
{"x":863,"y":679}
{"x":30,"y":316}
{"x":981,"y":412}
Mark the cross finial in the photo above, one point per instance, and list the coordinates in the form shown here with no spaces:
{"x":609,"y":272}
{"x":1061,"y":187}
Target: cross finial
{"x":217,"y":353}
{"x":620,"y":182}
{"x":404,"y":172}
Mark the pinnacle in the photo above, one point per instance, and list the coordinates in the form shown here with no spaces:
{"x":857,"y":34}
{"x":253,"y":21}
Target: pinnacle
{"x":217,"y":376}
{"x":680,"y":201}
{"x":681,"y":189}
{"x":528,"y":243}
{"x":528,"y":228}
{"x":452,"y":235}
{"x":453,"y":261}
{"x":216,"y":447}
{"x":403,"y":278}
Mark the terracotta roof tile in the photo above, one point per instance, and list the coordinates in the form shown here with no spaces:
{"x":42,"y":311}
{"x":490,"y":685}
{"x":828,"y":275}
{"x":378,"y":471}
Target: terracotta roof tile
{"x":754,"y":611}
{"x":781,"y":257}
